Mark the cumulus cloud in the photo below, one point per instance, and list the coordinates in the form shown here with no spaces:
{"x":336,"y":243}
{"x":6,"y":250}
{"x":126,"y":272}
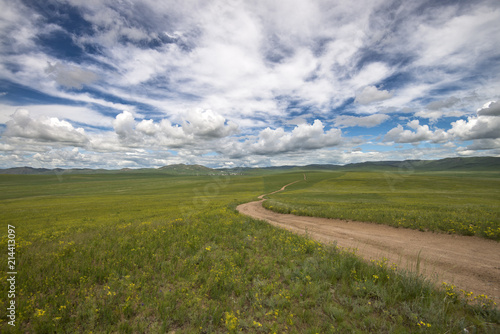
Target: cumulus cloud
{"x":302,"y":137}
{"x":483,"y":129}
{"x":363,"y":121}
{"x":484,"y":126}
{"x":44,"y":129}
{"x":490,"y":109}
{"x":257,"y":64}
{"x":476,"y":127}
{"x":84,"y":115}
{"x":149,"y":133}
{"x":197,"y":125}
{"x":434,"y":115}
{"x":124,"y":125}
{"x":421,"y":133}
{"x":371,"y":94}
{"x":484,"y":144}
{"x":206,"y":123}
{"x":62,"y":157}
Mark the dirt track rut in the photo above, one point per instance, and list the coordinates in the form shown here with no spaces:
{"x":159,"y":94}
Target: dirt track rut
{"x":470,"y":263}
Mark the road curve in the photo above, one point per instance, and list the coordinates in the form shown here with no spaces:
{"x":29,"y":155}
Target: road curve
{"x":470,"y":263}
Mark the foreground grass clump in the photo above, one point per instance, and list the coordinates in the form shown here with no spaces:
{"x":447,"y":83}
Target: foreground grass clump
{"x":177,"y":257}
{"x":465,"y":203}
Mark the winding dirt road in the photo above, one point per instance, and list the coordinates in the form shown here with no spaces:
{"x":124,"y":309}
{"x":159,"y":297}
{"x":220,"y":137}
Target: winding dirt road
{"x":470,"y":263}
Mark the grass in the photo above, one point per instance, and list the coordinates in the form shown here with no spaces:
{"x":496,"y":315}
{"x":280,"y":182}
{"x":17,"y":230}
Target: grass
{"x":149,"y":253}
{"x":465,"y":203}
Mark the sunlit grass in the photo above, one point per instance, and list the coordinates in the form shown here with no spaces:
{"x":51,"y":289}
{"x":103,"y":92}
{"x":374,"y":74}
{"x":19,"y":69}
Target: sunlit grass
{"x":156,"y":254}
{"x":465,"y":203}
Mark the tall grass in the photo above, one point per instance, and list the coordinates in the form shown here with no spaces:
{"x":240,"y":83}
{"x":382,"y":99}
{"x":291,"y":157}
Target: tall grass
{"x":153,"y":254}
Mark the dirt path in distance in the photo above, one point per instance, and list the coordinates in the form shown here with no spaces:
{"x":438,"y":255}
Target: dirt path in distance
{"x":470,"y":263}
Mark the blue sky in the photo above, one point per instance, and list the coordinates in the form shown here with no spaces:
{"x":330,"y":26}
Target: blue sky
{"x":115,"y":84}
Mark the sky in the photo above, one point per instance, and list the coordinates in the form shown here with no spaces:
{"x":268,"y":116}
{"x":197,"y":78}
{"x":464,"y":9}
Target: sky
{"x":146,"y":83}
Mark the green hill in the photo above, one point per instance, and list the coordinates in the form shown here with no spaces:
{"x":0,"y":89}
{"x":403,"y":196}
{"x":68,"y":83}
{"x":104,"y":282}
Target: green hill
{"x":182,"y":169}
{"x":447,"y":164}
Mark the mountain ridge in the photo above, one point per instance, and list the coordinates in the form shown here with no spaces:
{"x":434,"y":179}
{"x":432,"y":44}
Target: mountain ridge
{"x":445,"y":164}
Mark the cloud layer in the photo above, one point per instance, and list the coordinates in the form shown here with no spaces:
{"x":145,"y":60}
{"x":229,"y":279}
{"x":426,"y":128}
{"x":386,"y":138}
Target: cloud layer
{"x":109,"y":84}
{"x":45,"y":129}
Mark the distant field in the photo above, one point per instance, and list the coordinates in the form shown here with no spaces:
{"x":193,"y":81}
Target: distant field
{"x":466,"y":203}
{"x":153,"y":253}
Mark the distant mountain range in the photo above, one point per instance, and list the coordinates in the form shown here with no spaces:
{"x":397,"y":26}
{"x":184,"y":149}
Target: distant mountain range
{"x":448,"y":164}
{"x":177,"y":169}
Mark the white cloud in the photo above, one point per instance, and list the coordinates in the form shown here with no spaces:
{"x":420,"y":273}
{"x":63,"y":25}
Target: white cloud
{"x":404,"y":97}
{"x":484,"y":126}
{"x":490,"y":109}
{"x":6,"y":147}
{"x":228,"y":67}
{"x":371,"y":94}
{"x":440,"y":104}
{"x":363,"y":121}
{"x":124,"y":125}
{"x":484,"y":130}
{"x":147,"y":127}
{"x":476,"y":127}
{"x":82,"y":115}
{"x":198,"y":125}
{"x":18,"y":26}
{"x":62,"y":157}
{"x":302,"y":137}
{"x":451,"y":43}
{"x":421,"y":133}
{"x":434,"y":115}
{"x":208,"y":124}
{"x":147,"y":133}
{"x":372,"y":74}
{"x":484,"y":144}
{"x":258,"y":64}
{"x":137,"y":65}
{"x":44,"y":129}
{"x":31,"y":72}
{"x":441,"y":108}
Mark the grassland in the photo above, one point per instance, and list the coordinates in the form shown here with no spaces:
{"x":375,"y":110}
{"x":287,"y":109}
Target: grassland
{"x":146,"y":253}
{"x":466,"y":203}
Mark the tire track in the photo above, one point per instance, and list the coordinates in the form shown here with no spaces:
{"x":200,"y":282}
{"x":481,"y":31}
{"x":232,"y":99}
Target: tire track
{"x":470,"y":263}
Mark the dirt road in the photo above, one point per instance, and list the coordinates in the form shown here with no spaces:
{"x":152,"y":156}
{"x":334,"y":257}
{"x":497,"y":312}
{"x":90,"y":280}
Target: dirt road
{"x":470,"y":263}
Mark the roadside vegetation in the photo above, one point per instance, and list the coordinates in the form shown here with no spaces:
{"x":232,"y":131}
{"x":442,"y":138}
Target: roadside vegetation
{"x":465,"y":203}
{"x":146,"y":253}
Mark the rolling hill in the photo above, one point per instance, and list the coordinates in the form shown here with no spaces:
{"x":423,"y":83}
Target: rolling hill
{"x":447,"y":164}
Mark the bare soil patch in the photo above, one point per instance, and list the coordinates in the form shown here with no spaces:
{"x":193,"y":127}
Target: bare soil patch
{"x":470,"y":263}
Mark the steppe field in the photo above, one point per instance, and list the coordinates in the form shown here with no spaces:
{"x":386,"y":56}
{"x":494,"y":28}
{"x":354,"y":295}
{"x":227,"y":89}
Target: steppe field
{"x":157,"y":253}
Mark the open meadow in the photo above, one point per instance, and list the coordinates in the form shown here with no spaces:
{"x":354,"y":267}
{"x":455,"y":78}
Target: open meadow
{"x":465,"y":203}
{"x":155,"y":253}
